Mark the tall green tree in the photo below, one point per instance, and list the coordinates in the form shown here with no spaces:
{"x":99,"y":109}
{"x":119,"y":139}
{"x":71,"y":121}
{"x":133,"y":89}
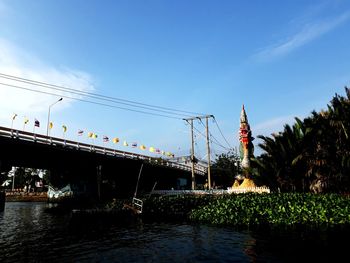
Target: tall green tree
{"x":313,"y":154}
{"x":224,"y":169}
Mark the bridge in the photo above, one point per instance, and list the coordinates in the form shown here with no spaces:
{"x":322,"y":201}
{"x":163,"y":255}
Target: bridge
{"x":92,"y":169}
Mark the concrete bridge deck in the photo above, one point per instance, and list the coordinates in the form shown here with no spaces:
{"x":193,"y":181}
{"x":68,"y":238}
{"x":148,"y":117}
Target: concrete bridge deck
{"x":69,"y":144}
{"x":90,"y":169}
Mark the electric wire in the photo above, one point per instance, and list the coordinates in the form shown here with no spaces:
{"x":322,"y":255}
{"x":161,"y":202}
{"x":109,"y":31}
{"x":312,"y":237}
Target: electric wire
{"x":99,"y":96}
{"x":216,"y":140}
{"x":217,"y":143}
{"x":88,"y":101}
{"x":169,"y":111}
{"x":222,"y":133}
{"x":105,"y":98}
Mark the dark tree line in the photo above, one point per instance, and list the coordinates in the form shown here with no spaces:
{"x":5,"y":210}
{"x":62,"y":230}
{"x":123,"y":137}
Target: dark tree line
{"x":225,"y":168}
{"x":311,"y":155}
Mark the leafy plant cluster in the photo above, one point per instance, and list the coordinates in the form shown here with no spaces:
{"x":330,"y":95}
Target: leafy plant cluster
{"x":311,"y":155}
{"x":288,"y":209}
{"x":176,"y":207}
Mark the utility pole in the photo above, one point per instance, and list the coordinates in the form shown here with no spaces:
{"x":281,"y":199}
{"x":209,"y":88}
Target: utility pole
{"x":193,"y":179}
{"x":208,"y":151}
{"x":190,"y":120}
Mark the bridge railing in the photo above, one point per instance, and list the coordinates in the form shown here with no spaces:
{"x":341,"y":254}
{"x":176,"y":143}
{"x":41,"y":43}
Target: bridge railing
{"x":54,"y":141}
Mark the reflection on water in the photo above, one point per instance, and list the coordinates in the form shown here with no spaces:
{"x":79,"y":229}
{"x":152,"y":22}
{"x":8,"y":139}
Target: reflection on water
{"x":27,"y":233}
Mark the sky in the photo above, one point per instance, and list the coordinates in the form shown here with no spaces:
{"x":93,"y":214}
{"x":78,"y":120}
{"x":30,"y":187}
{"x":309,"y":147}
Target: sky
{"x":281,"y":59}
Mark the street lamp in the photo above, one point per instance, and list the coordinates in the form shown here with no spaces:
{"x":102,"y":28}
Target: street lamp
{"x":48,"y":116}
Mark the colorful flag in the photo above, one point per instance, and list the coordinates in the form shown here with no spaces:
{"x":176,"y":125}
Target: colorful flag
{"x":64,"y":127}
{"x":80,"y":132}
{"x":134,"y":145}
{"x":157,"y":151}
{"x":125,"y":143}
{"x":142,"y":147}
{"x":94,"y":136}
{"x":152,"y":149}
{"x":36,"y":123}
{"x":50,"y":125}
{"x":105,"y":139}
{"x":115,"y":140}
{"x":90,"y":134}
{"x":14,"y":116}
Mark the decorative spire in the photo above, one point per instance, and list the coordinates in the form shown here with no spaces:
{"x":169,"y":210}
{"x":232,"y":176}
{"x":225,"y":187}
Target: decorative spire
{"x":245,"y":139}
{"x":243,"y":118}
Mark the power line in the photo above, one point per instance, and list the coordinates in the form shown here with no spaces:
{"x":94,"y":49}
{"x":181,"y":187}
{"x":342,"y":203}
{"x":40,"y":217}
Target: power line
{"x":99,"y":96}
{"x":213,"y":137}
{"x":217,"y":150}
{"x":216,"y":141}
{"x":95,"y":97}
{"x":222,"y":133}
{"x":167,"y":111}
{"x":88,"y":101}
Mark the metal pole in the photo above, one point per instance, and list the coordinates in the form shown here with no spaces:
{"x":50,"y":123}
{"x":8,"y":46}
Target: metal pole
{"x":99,"y":179}
{"x":48,"y":116}
{"x":192,"y":157}
{"x":13,"y":181}
{"x":138,"y":179}
{"x":208,"y":152}
{"x":48,"y":122}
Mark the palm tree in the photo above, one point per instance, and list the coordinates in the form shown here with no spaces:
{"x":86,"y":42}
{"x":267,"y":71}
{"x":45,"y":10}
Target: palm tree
{"x":312,"y":154}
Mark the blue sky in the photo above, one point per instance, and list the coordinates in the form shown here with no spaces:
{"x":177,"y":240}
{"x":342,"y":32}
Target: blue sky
{"x":282,"y":59}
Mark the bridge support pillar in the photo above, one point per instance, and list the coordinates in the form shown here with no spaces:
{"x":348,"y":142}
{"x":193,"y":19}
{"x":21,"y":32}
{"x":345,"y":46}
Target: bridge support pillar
{"x":2,"y":200}
{"x":99,"y":180}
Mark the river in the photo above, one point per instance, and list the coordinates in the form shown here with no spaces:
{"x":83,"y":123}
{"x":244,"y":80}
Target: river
{"x":29,"y":234}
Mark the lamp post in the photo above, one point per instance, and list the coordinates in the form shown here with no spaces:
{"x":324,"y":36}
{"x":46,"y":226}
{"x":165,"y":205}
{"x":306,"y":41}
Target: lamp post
{"x":48,"y":116}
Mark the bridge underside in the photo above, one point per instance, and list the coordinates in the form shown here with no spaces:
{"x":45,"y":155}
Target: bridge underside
{"x":91,"y":174}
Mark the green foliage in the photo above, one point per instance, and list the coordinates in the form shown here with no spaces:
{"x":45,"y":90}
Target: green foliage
{"x":275,"y":209}
{"x":172,"y":207}
{"x":245,"y":210}
{"x":225,"y":168}
{"x":313,"y":154}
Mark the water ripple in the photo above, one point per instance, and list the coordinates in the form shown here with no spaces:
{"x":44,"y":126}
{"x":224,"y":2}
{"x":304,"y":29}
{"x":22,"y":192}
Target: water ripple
{"x":29,"y":234}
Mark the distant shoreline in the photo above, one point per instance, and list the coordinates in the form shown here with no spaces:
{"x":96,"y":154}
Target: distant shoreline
{"x":26,"y":197}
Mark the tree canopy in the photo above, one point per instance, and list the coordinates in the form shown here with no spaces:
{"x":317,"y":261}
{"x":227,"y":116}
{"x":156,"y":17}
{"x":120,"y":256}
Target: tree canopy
{"x":311,"y":155}
{"x":225,"y":168}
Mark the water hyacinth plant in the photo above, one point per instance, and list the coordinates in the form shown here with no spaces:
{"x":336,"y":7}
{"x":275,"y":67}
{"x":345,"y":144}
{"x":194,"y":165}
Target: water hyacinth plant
{"x":275,"y":209}
{"x":177,"y":207}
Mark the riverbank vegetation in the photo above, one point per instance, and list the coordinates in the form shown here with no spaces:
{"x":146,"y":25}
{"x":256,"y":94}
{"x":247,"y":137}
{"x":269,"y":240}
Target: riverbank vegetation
{"x":311,"y":155}
{"x":245,"y":210}
{"x":289,"y":209}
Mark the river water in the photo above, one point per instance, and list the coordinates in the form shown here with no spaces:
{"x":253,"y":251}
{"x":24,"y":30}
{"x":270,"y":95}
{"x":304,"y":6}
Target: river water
{"x":29,"y":234}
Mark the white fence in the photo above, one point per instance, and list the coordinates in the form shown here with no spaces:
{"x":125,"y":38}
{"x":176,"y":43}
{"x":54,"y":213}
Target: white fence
{"x":238,"y":190}
{"x":235,"y":190}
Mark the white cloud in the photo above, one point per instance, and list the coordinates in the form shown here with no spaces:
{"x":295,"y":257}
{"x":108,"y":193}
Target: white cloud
{"x":309,"y":32}
{"x":17,"y":62}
